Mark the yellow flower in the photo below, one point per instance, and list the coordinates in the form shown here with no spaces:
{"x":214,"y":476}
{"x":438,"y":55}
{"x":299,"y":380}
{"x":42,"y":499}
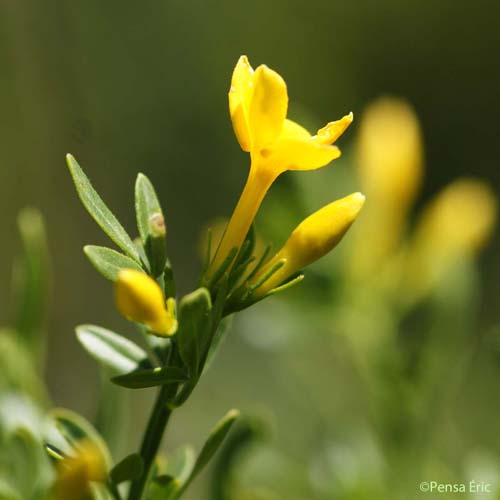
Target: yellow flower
{"x":258,"y":103}
{"x":139,"y":298}
{"x":76,"y":472}
{"x":314,"y":237}
{"x":456,"y":224}
{"x":390,"y":152}
{"x":390,"y":168}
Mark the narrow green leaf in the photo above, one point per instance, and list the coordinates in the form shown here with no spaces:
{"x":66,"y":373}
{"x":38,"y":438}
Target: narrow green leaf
{"x":213,"y":337}
{"x":246,"y":434}
{"x":129,"y":468}
{"x":179,"y":467}
{"x":215,"y":439}
{"x":110,"y":349}
{"x":181,"y":463}
{"x":99,"y":211}
{"x":31,"y":281}
{"x":151,"y":378}
{"x":151,"y":224}
{"x":142,"y":254}
{"x":109,"y":262}
{"x":194,"y":326}
{"x":218,"y":338}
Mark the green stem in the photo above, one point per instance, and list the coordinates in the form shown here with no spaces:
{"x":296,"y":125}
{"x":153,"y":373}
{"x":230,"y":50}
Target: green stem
{"x":152,"y":439}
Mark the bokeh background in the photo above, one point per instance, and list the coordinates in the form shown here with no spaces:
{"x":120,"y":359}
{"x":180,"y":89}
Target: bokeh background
{"x":130,"y":87}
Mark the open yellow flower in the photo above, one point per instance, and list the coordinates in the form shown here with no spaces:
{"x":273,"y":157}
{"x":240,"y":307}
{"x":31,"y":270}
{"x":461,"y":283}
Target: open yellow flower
{"x":313,"y":238}
{"x":258,"y":102}
{"x":139,"y":298}
{"x":76,"y":473}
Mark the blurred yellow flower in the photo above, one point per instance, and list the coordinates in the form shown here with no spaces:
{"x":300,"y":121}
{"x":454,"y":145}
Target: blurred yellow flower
{"x":390,"y":169}
{"x":139,"y":298}
{"x":258,"y":103}
{"x":389,"y":150}
{"x":314,"y":237}
{"x":75,"y":473}
{"x":456,"y":224}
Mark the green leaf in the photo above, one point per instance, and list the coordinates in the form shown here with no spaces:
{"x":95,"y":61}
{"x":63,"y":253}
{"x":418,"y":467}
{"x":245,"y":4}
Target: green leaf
{"x":214,"y":336}
{"x":31,"y":282}
{"x":110,"y":349}
{"x":181,"y":463}
{"x":246,"y":434}
{"x":215,"y":439}
{"x":219,"y":336}
{"x":194,"y":326}
{"x":179,"y":467}
{"x":109,"y":262}
{"x":26,"y":466}
{"x":151,"y":224}
{"x":130,"y":467}
{"x":99,"y":211}
{"x":19,"y":374}
{"x":151,"y":378}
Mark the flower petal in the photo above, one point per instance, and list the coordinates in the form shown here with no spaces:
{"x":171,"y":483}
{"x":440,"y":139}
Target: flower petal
{"x":240,"y":95}
{"x":333,"y":130}
{"x":292,"y":130}
{"x":268,"y":107}
{"x":295,"y":154}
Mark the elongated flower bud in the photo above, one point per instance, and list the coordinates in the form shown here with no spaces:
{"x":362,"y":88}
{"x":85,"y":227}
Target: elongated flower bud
{"x":456,"y":224}
{"x":139,"y":298}
{"x":390,"y":169}
{"x":313,"y":238}
{"x":460,"y":219}
{"x":390,"y":153}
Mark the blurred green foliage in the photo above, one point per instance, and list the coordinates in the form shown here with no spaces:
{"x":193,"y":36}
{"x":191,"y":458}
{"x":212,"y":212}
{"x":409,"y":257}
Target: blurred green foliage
{"x":130,"y":87}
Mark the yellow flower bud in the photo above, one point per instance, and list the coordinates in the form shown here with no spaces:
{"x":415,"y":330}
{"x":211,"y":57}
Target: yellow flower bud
{"x":390,"y":153}
{"x":314,"y":237}
{"x":258,"y":103}
{"x":76,"y":472}
{"x":390,"y":168}
{"x":139,"y":298}
{"x":460,"y":218}
{"x":457,"y":223}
